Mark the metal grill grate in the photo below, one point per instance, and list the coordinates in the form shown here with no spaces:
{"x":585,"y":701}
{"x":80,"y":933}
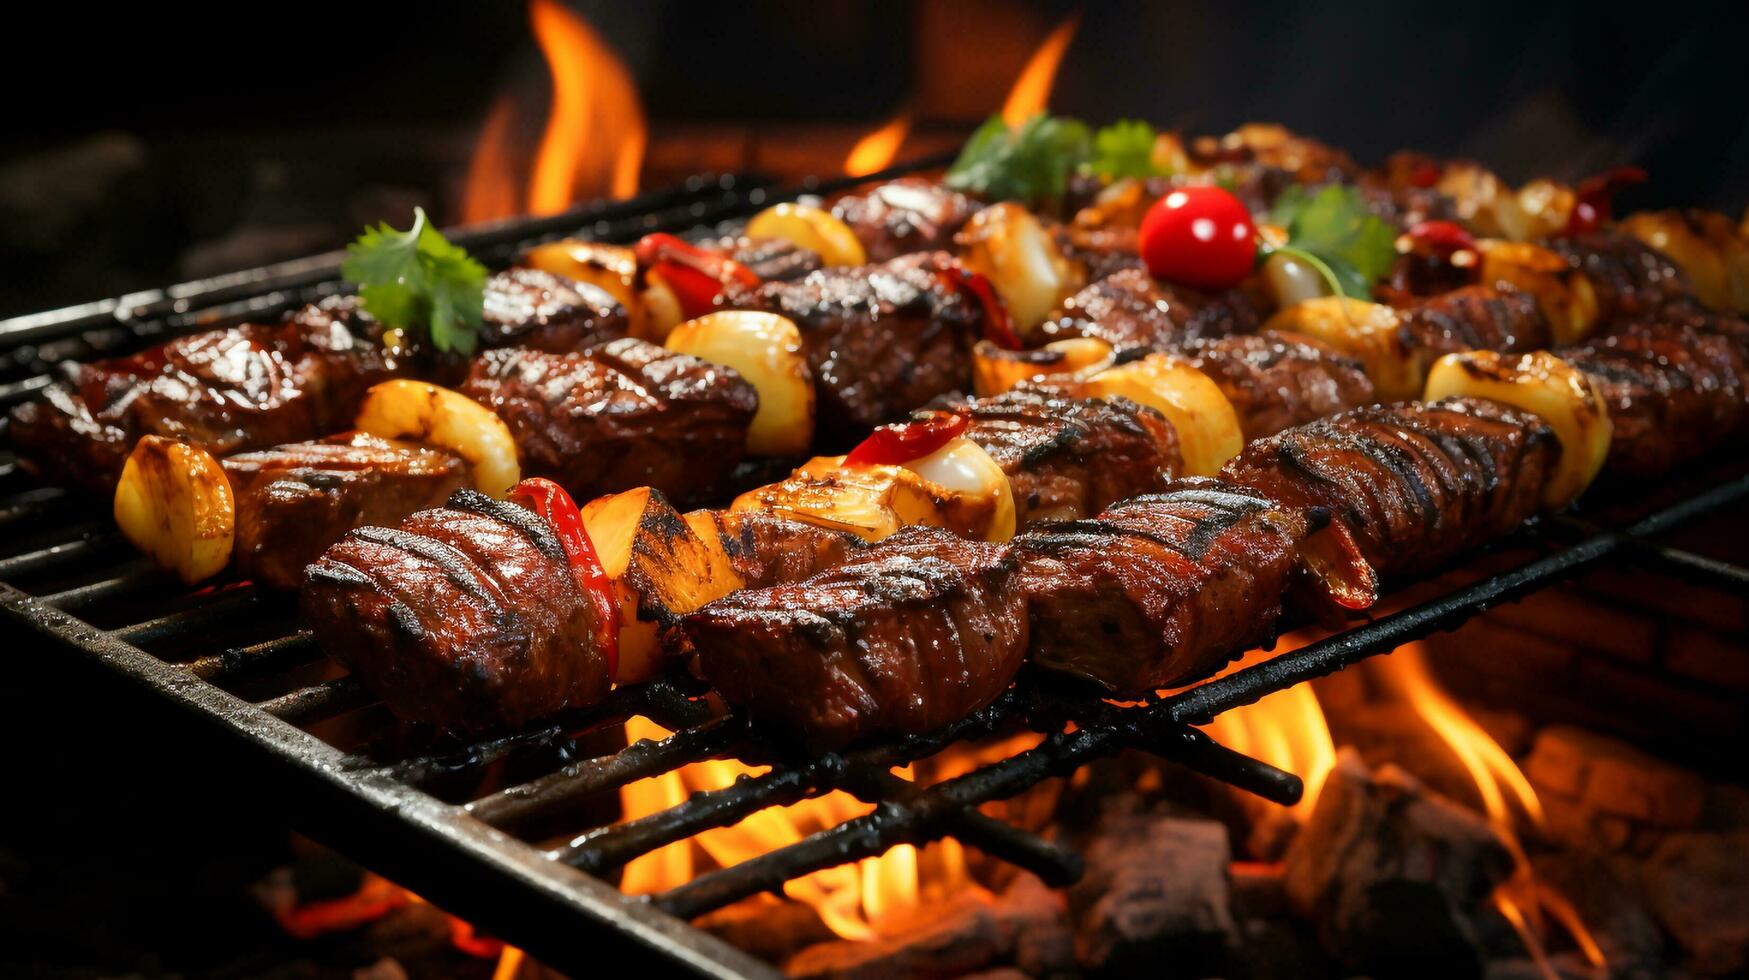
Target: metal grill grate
{"x":235,"y":661}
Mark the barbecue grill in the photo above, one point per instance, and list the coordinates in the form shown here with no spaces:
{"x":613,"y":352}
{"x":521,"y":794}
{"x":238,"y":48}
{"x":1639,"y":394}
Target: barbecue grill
{"x":235,"y":661}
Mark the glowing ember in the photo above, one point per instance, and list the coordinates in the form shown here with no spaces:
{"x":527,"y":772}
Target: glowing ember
{"x":1032,"y":90}
{"x":877,"y":150}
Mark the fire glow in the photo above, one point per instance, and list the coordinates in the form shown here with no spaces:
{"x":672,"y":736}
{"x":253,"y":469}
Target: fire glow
{"x":593,"y":141}
{"x":853,"y":900}
{"x":877,"y":150}
{"x":1031,"y":93}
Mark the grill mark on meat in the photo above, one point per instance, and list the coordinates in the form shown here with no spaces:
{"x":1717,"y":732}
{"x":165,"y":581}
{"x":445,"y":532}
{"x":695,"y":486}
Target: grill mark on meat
{"x":454,"y":565}
{"x":531,"y":525}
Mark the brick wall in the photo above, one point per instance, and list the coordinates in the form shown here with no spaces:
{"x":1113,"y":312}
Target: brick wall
{"x":1623,"y":650}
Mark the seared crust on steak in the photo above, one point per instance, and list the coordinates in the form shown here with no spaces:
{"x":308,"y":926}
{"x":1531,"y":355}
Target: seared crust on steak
{"x":240,"y":388}
{"x":881,"y":339}
{"x":1474,"y":318}
{"x":1276,"y":380}
{"x":1159,"y":589}
{"x":542,"y":311}
{"x":1674,"y":390}
{"x":294,"y":501}
{"x":909,"y":635}
{"x":466,"y":617}
{"x":1131,"y":309}
{"x":621,"y":415}
{"x":1067,"y":457}
{"x":903,"y":216}
{"x":1631,"y":279}
{"x":1414,"y":483}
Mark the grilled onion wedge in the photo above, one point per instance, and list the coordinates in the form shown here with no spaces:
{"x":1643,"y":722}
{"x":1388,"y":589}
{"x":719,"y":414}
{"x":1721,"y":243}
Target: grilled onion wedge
{"x":766,"y":350}
{"x":174,"y":503}
{"x":1207,"y":426}
{"x":421,"y":412}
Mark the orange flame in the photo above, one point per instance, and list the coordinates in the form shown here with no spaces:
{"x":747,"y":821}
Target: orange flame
{"x":854,"y":900}
{"x":1502,"y":787}
{"x":1032,"y":90}
{"x":877,"y":150}
{"x":595,"y":134}
{"x":491,"y":191}
{"x":1286,"y":730}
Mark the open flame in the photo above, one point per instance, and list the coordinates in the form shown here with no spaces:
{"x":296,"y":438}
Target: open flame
{"x":1522,"y":899}
{"x":877,"y":150}
{"x":1031,"y":93}
{"x":1286,"y":729}
{"x":854,"y":900}
{"x":595,"y":134}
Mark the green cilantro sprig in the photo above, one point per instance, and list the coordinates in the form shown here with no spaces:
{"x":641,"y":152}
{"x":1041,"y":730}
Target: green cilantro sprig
{"x":1124,"y":149}
{"x":416,"y":280}
{"x":1332,"y":228}
{"x":1031,"y":163}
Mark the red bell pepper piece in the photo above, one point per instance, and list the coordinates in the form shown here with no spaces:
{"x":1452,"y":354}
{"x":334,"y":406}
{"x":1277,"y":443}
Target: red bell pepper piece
{"x":902,"y":442}
{"x":552,"y":503}
{"x":1595,"y":197}
{"x":697,"y":275}
{"x":1442,"y":237}
{"x":998,"y":327}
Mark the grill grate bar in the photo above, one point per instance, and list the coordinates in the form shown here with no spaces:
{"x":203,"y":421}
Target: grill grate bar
{"x":224,"y":605}
{"x":279,"y":652}
{"x":319,"y":702}
{"x":139,"y":575}
{"x":90,"y":540}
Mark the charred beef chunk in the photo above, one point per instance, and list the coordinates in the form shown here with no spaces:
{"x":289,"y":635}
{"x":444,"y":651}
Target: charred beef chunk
{"x":624,"y":414}
{"x":771,"y":259}
{"x":538,"y":310}
{"x":1276,"y":380}
{"x":765,"y":549}
{"x":904,"y":216}
{"x":244,"y":387}
{"x":1673,"y":391}
{"x":1158,"y":589}
{"x":909,"y":635}
{"x":882,"y":339}
{"x":1068,"y":457}
{"x":466,"y":617}
{"x":294,"y":501}
{"x":1414,"y":483}
{"x":1131,"y":309}
{"x":1632,"y":280}
{"x":1474,"y":318}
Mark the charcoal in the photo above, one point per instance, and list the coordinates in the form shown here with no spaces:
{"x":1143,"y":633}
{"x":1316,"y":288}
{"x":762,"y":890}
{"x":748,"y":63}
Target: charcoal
{"x":1698,"y":886}
{"x":1602,"y":890}
{"x":1393,"y":874}
{"x":1155,"y":897}
{"x":1600,"y":790}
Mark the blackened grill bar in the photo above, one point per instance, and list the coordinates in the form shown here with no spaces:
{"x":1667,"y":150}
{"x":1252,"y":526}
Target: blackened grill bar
{"x":375,"y":803}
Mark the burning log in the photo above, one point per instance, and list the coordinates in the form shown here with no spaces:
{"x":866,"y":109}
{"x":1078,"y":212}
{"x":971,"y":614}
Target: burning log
{"x":1392,"y":874}
{"x":1156,"y":891}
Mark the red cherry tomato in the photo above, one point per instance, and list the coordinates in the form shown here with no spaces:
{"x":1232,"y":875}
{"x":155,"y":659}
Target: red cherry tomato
{"x":552,"y":503}
{"x":1595,"y":196}
{"x":1425,"y":174}
{"x":903,"y":442}
{"x":998,"y":328}
{"x":697,"y":275}
{"x":1200,"y":236}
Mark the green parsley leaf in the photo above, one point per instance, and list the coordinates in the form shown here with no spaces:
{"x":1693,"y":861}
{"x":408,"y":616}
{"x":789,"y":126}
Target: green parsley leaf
{"x":417,"y":280}
{"x":1031,"y":163}
{"x":1124,"y":149}
{"x":1334,"y":225}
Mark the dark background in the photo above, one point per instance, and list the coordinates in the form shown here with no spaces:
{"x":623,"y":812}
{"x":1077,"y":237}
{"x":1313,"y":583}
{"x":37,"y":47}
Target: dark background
{"x":148,"y":143}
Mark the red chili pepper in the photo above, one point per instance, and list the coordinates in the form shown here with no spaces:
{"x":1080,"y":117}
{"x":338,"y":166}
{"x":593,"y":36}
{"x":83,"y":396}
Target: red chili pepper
{"x":1595,"y":196}
{"x":697,"y":275}
{"x":998,"y":327}
{"x":1442,"y":237}
{"x":1199,"y":236}
{"x":551,"y":502}
{"x":902,"y":442}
